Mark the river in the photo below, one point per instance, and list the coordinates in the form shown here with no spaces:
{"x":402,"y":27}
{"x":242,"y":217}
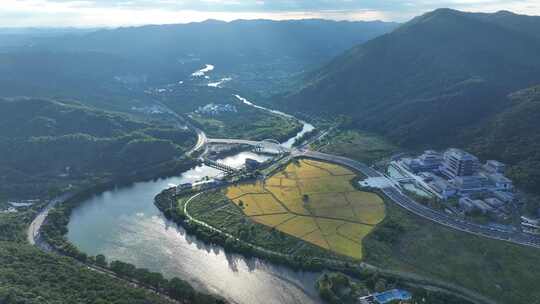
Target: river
{"x":123,"y":224}
{"x":306,"y":127}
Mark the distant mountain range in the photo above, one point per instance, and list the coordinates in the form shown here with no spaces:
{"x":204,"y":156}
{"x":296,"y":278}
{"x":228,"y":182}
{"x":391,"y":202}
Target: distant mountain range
{"x":228,"y":44}
{"x":256,"y":54}
{"x":441,"y":79}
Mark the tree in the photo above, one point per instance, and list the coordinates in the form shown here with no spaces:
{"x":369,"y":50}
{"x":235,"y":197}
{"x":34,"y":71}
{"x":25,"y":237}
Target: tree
{"x":101,"y":261}
{"x":179,"y":289}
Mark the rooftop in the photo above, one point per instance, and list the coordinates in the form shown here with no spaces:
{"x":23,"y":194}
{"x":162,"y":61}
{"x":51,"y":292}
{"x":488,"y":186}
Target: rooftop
{"x":499,"y":178}
{"x":460,"y":154}
{"x":392,"y":295}
{"x":495,"y":163}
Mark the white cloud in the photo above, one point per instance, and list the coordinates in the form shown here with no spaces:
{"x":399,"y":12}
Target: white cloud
{"x":84,"y":13}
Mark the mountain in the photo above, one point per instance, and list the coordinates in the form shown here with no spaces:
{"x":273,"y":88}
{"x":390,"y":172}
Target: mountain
{"x":228,"y":43}
{"x":107,"y":67}
{"x":520,"y":23}
{"x":513,"y":136}
{"x":12,"y":38}
{"x":432,"y":81}
{"x":426,"y":67}
{"x":47,"y":144}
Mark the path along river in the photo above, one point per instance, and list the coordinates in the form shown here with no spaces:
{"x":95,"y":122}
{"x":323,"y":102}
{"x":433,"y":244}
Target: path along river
{"x":124,"y":224}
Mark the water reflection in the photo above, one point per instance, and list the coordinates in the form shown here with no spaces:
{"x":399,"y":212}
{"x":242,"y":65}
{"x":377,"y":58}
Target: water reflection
{"x":124,"y":224}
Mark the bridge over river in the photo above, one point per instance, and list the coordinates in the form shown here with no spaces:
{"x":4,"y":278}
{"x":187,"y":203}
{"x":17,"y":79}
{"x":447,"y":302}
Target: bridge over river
{"x":270,"y":146}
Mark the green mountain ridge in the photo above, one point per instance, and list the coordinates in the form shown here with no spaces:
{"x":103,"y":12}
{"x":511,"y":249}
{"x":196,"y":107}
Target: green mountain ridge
{"x":433,"y":81}
{"x":513,"y":136}
{"x":111,"y":68}
{"x":46,"y":144}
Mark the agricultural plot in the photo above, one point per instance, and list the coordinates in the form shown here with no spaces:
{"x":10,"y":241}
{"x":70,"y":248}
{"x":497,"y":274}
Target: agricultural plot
{"x":313,"y":201}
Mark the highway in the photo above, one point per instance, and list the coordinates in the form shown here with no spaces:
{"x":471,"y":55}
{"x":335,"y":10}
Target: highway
{"x":33,"y":231}
{"x":396,"y":196}
{"x":266,"y":145}
{"x":201,"y":140}
{"x":181,"y":122}
{"x":227,"y":141}
{"x":392,"y":193}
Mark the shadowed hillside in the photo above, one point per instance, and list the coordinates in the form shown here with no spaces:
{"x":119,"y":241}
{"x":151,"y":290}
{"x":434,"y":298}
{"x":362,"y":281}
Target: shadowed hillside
{"x":434,"y":80}
{"x":45,"y":144}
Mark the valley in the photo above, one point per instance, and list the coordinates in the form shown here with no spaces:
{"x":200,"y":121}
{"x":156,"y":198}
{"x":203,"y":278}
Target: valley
{"x":258,"y":161}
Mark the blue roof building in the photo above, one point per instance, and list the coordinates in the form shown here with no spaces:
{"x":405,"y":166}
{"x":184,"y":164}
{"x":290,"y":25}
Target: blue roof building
{"x":386,"y":297}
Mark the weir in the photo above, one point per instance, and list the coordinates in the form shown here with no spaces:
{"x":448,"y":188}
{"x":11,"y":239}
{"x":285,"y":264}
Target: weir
{"x":219,"y":166}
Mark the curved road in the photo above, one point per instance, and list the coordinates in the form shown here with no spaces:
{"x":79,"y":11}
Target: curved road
{"x":33,"y":231}
{"x":453,"y":289}
{"x":392,"y":193}
{"x":396,"y":196}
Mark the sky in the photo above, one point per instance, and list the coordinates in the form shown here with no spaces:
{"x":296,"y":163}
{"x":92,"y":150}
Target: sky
{"x":113,"y":13}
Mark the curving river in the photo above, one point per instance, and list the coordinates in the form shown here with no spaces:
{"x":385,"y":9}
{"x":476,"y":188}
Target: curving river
{"x":124,"y":224}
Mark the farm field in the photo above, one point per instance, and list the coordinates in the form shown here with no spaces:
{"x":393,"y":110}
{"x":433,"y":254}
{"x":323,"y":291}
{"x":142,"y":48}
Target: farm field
{"x":313,"y":201}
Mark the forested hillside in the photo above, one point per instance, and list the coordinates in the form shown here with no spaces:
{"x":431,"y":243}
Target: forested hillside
{"x":434,"y":81}
{"x":111,"y":68}
{"x":46,"y":143}
{"x":513,"y":135}
{"x":227,"y":44}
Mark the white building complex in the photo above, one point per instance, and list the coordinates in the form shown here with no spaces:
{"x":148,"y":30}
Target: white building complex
{"x":458,"y":174}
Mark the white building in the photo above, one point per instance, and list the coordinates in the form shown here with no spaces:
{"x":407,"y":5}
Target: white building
{"x":470,"y":184}
{"x":500,"y":182}
{"x":443,"y":189}
{"x":504,"y":196}
{"x":530,"y":225}
{"x":494,"y":202}
{"x":469,"y":204}
{"x":459,"y":163}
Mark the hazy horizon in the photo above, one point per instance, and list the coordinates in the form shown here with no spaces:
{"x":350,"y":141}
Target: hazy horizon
{"x":115,"y":13}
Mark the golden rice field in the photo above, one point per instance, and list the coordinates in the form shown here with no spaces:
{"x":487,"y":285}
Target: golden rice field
{"x":314,"y":201}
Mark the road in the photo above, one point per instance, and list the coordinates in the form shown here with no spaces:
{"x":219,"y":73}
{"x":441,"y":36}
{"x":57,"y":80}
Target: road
{"x":228,"y":141}
{"x":34,"y":228}
{"x":453,"y":289}
{"x":266,"y":145}
{"x":181,"y":122}
{"x":201,"y":141}
{"x":396,"y":196}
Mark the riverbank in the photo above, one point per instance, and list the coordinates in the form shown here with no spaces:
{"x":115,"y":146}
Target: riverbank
{"x":52,"y":225}
{"x":163,"y":248}
{"x":338,"y":288}
{"x":169,"y":205}
{"x":249,"y":123}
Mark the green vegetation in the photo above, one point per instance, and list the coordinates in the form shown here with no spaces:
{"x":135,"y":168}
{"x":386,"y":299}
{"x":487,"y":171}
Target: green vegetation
{"x":338,"y":288}
{"x":108,"y":67}
{"x":232,"y":220}
{"x":28,"y":275}
{"x":215,"y":209}
{"x":55,"y":229}
{"x":313,"y":201}
{"x":495,"y":269}
{"x":432,"y":83}
{"x":248,"y":123}
{"x":358,"y":145}
{"x":47,"y":145}
{"x":305,"y":137}
{"x":31,"y":276}
{"x":513,"y":136}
